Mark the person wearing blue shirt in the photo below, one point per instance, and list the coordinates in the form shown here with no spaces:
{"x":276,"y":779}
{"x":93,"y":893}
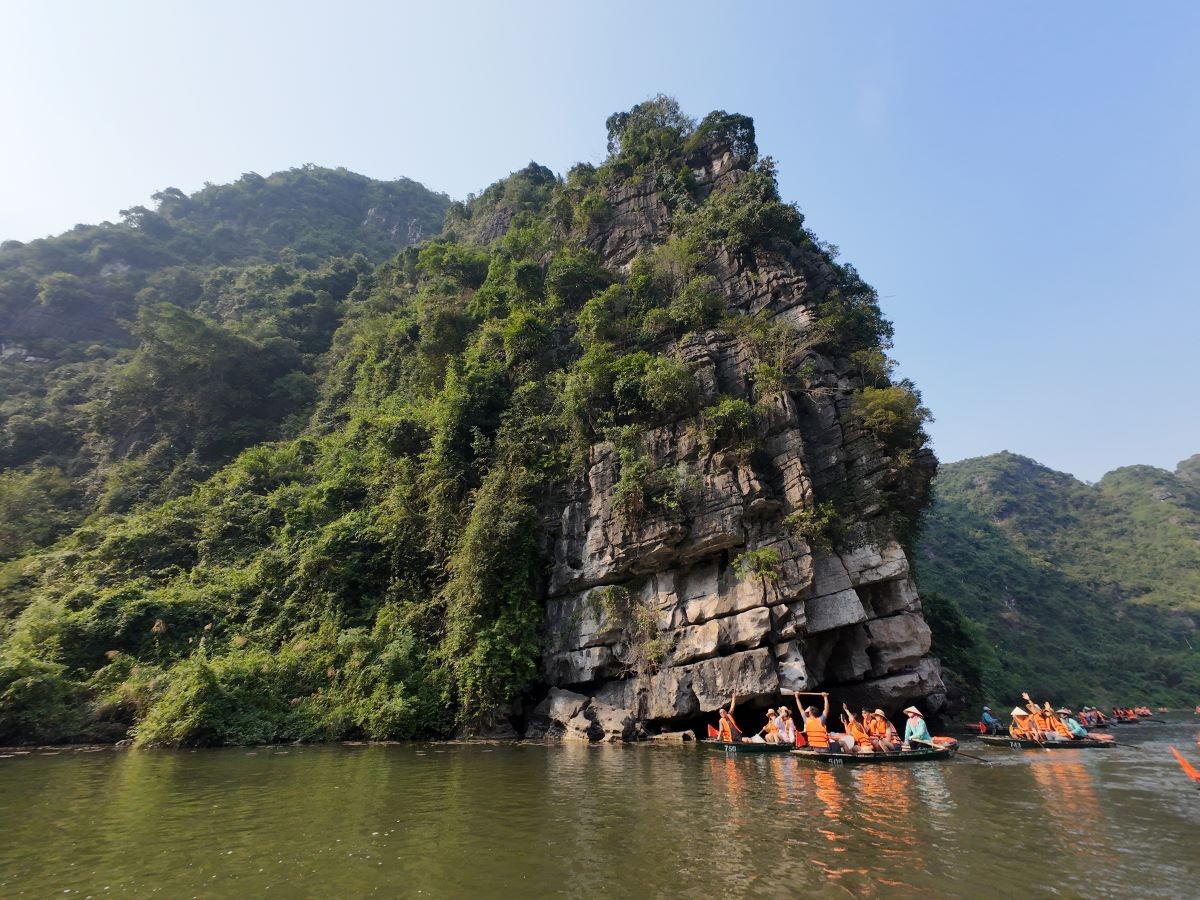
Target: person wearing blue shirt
{"x":915,"y":729}
{"x":991,"y":722}
{"x":1068,"y":718}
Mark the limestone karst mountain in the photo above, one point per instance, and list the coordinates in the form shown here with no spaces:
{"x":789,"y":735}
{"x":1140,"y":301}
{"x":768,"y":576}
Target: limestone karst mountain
{"x":611,"y":449}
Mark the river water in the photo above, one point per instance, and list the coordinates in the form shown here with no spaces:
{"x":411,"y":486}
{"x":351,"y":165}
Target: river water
{"x":651,"y":820}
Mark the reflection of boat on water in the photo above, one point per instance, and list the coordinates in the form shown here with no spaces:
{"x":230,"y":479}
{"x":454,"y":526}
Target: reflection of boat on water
{"x":1000,"y":740}
{"x":923,"y":754}
{"x":736,"y":747}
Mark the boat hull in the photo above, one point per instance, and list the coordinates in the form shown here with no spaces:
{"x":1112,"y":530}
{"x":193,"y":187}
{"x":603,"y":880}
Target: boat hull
{"x":1016,"y":744}
{"x":729,"y":747}
{"x":822,"y":758}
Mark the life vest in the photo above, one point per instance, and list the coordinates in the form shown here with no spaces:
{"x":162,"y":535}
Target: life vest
{"x":1061,"y":728}
{"x":814,"y":731}
{"x":856,"y":731}
{"x":1017,"y":730}
{"x":724,"y":732}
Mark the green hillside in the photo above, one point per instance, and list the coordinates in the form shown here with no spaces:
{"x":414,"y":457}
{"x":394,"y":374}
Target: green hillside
{"x":1086,"y":592}
{"x":377,"y":572}
{"x":137,"y":357}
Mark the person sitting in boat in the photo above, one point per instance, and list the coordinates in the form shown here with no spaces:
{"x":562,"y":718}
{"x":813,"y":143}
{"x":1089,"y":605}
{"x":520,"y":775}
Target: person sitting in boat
{"x":915,"y":729}
{"x":787,"y":727}
{"x":860,"y":741}
{"x":883,"y":733}
{"x":990,"y":722}
{"x":769,"y":733}
{"x":1068,"y":720}
{"x":1022,"y":727}
{"x":727,"y":729}
{"x":814,"y":724}
{"x":1058,"y":730}
{"x":1045,"y":722}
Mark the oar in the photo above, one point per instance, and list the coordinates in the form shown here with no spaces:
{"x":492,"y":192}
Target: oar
{"x":959,"y":752}
{"x":1188,"y":768}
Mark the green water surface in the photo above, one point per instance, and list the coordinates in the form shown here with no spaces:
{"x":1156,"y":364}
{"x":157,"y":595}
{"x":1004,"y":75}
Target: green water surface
{"x":649,"y":820}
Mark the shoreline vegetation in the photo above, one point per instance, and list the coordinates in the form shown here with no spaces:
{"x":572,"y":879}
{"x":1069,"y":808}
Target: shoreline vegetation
{"x":374,"y":568}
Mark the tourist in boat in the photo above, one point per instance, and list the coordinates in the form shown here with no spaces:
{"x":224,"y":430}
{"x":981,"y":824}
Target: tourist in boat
{"x":769,"y":733}
{"x":815,"y":732}
{"x":1067,"y":718}
{"x":990,"y":722}
{"x":1022,"y":727}
{"x":787,"y":727}
{"x":1046,"y":723}
{"x":860,"y":740}
{"x":915,"y":729}
{"x":727,"y":729}
{"x":883,"y":733}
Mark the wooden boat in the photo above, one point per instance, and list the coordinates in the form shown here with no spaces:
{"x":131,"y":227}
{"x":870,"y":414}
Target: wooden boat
{"x":736,"y":747}
{"x":1002,"y":740}
{"x":917,"y":754}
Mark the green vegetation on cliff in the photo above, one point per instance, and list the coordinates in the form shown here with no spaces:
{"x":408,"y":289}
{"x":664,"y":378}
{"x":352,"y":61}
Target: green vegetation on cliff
{"x":1086,"y":592}
{"x":379,"y":570}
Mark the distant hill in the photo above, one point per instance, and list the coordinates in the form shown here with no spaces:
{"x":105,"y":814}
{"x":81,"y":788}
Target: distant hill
{"x":137,"y":357}
{"x":1086,"y":592}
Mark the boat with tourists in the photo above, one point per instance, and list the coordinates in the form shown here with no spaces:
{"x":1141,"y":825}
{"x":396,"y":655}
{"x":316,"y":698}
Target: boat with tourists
{"x":1002,"y":740}
{"x":744,"y":747}
{"x":944,"y":749}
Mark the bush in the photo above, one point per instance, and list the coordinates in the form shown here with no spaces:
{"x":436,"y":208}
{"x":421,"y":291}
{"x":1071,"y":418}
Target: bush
{"x":763,"y":563}
{"x":728,"y":423}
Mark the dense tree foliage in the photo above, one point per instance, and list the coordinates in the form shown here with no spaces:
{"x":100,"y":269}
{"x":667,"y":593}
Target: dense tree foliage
{"x":376,"y":568}
{"x":1087,"y":593}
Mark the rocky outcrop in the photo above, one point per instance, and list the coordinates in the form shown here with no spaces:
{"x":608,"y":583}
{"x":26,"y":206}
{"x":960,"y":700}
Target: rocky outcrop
{"x":846,"y":619}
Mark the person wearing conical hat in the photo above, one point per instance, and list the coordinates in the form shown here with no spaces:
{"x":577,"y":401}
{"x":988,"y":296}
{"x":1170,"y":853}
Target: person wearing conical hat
{"x":916,"y":729}
{"x":1021,"y":727}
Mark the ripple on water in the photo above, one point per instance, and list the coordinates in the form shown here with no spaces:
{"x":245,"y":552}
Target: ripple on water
{"x":622,"y":821}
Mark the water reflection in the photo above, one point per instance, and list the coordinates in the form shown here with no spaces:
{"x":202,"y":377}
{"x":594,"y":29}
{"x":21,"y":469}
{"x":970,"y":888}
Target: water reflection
{"x":583,"y":821}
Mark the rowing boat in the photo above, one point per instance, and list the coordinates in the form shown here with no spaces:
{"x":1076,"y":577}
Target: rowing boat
{"x":734,"y":747}
{"x":999,"y":740}
{"x":923,"y":754}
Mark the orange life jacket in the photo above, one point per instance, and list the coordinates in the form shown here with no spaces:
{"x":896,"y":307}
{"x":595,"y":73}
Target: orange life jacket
{"x":723,"y":729}
{"x":878,"y":728}
{"x":815,"y":732}
{"x":856,"y":731}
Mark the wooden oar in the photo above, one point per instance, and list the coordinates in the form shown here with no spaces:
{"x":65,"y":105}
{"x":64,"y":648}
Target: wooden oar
{"x":1187,"y":766}
{"x":959,"y":752}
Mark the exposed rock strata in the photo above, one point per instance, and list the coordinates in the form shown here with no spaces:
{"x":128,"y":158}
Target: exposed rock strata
{"x":848,"y":621}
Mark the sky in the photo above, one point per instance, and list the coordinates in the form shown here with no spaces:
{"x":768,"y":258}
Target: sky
{"x":1019,"y":181}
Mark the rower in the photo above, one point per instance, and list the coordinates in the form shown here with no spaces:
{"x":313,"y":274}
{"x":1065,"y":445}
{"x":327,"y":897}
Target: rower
{"x":990,"y":722}
{"x":814,"y":723}
{"x":915,"y":729}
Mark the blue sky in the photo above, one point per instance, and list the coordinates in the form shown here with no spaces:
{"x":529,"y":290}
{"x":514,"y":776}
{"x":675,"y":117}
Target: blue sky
{"x":1020,"y":181}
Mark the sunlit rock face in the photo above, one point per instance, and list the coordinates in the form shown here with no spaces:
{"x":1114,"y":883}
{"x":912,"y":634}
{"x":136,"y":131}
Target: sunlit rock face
{"x":843,"y":618}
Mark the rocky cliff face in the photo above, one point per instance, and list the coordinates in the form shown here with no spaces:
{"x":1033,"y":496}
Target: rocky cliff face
{"x":846,"y":619}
